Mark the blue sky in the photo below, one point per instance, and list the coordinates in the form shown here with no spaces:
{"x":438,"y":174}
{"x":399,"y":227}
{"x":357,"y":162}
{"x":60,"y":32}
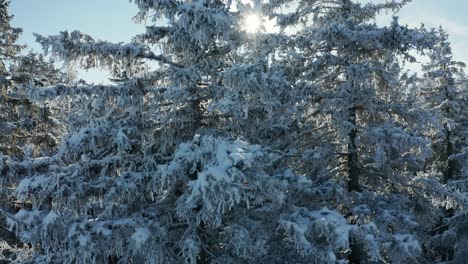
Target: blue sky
{"x":111,"y":20}
{"x":103,"y":19}
{"x":450,"y":14}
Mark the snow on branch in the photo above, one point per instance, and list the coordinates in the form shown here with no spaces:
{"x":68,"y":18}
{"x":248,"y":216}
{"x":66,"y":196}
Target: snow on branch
{"x":82,"y":48}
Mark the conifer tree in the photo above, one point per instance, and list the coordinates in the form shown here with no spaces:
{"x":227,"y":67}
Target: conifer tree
{"x":443,"y":94}
{"x":26,"y":128}
{"x":352,"y":70}
{"x":241,"y":146}
{"x":8,"y":37}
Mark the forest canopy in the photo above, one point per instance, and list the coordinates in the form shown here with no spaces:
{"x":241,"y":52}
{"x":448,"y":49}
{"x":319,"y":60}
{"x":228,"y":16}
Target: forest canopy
{"x":309,"y":143}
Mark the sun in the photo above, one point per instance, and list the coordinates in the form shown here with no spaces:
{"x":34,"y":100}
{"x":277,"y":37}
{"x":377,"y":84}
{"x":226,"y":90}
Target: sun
{"x":253,"y":23}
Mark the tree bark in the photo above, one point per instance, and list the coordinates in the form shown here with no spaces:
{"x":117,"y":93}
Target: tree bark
{"x":449,"y":171}
{"x":353,"y":170}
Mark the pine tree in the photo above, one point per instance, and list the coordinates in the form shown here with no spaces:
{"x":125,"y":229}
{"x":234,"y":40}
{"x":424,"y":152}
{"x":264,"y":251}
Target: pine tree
{"x":8,"y":51}
{"x":241,"y":146}
{"x":8,"y":37}
{"x":26,"y":128}
{"x":443,"y":94}
{"x":351,"y":68}
{"x":144,"y":175}
{"x":34,"y":68}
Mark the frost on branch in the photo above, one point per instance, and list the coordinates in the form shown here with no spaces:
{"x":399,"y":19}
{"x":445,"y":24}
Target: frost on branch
{"x":327,"y":236}
{"x":76,"y":47}
{"x":222,"y":175}
{"x":228,"y":150}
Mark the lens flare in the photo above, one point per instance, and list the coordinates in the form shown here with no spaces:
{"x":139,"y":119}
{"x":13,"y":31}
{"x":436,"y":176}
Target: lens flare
{"x":252,"y":23}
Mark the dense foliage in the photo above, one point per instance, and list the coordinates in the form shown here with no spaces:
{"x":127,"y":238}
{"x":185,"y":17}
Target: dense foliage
{"x":304,"y":143}
{"x":27,"y":129}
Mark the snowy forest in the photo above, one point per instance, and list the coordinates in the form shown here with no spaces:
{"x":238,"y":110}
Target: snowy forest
{"x":219,"y":141}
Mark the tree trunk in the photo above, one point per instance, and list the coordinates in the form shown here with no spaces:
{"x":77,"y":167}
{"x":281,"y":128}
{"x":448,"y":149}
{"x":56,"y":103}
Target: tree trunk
{"x":449,"y":170}
{"x":202,"y":258}
{"x":353,"y":170}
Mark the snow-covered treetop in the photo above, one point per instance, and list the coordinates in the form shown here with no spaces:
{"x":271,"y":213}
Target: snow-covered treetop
{"x":8,"y":36}
{"x":238,"y":147}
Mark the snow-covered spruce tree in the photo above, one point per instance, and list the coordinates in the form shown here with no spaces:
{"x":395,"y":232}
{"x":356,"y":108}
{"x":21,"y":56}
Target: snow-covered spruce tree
{"x":18,"y":115}
{"x":8,"y":50}
{"x":25,"y":129}
{"x":8,"y":37}
{"x":34,"y":68}
{"x":26,"y":121}
{"x":227,"y":152}
{"x":443,"y":94}
{"x":29,"y":129}
{"x":147,"y":174}
{"x":134,"y":182}
{"x":350,"y":68}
